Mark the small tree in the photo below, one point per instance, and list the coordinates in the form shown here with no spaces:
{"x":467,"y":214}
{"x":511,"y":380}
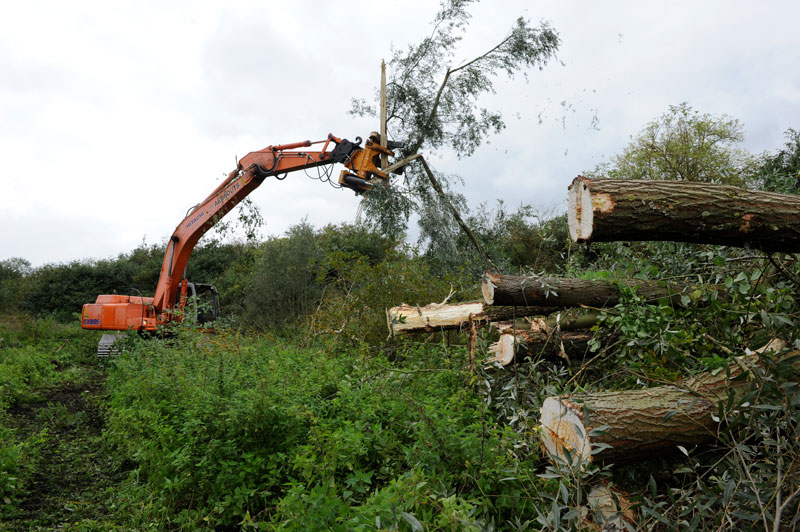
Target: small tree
{"x":433,"y":104}
{"x":683,"y":144}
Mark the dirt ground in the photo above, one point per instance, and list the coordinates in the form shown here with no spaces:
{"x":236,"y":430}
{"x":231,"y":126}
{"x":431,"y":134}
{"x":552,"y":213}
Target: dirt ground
{"x":71,"y":476}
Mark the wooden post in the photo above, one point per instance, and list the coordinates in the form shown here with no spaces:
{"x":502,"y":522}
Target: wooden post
{"x":384,"y":157}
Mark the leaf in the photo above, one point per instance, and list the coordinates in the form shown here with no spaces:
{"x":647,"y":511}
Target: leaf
{"x":729,"y":487}
{"x":598,"y":431}
{"x":412,"y":521}
{"x":683,"y":450}
{"x":600,"y":447}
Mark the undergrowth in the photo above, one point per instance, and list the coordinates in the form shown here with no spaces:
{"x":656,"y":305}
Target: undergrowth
{"x":235,"y":431}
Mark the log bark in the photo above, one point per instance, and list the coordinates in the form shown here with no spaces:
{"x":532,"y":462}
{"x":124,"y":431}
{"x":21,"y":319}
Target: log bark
{"x":639,"y":422}
{"x":606,"y":210}
{"x":561,"y":292}
{"x":408,"y":319}
{"x":515,"y":344}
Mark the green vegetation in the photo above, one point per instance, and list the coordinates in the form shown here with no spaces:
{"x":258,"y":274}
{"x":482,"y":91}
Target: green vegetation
{"x":239,"y":431}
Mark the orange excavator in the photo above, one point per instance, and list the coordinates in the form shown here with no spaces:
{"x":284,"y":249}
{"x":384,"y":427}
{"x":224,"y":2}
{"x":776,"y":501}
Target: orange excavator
{"x":169,"y":304}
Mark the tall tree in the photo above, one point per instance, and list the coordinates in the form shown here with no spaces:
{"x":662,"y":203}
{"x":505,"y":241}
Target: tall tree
{"x":433,"y":104}
{"x":683,"y":144}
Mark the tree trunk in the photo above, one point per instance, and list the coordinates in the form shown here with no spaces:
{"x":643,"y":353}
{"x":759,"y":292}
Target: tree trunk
{"x":606,"y":210}
{"x":406,"y":319}
{"x":639,"y":422}
{"x":516,"y":344}
{"x":560,"y":292}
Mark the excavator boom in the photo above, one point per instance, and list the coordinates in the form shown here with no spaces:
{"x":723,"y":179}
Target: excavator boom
{"x":117,"y":312}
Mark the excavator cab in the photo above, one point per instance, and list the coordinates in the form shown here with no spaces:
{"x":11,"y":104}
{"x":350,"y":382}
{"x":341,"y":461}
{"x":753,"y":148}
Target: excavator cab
{"x":201,"y":306}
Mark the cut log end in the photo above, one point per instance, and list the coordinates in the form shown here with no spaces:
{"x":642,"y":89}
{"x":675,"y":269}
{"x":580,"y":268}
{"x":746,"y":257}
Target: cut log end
{"x":580,"y":213}
{"x":562,"y":428}
{"x":503,"y":350}
{"x":487,"y":288}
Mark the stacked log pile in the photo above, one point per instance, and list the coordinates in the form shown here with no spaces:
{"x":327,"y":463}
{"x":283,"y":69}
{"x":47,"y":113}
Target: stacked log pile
{"x":620,"y":426}
{"x":625,"y":426}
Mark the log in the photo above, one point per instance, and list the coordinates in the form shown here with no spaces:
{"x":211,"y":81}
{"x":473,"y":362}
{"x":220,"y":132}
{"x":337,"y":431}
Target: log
{"x":560,"y":321}
{"x":606,"y":210}
{"x":562,"y":292}
{"x":610,"y":508}
{"x":639,"y":422}
{"x":549,"y":336}
{"x":515,"y":344}
{"x":407,"y":319}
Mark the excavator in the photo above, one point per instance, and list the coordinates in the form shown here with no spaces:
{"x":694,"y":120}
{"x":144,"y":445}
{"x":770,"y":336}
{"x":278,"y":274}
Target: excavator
{"x":113,"y":312}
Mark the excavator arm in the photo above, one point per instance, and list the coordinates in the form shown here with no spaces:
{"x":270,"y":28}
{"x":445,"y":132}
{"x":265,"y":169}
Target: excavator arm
{"x":116,"y":312}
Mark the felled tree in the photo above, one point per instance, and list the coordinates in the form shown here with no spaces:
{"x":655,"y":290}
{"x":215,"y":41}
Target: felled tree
{"x":432,"y":104}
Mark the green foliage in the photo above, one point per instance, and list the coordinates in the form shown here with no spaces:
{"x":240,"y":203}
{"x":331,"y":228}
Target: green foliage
{"x":61,"y":290}
{"x":749,"y":480}
{"x":38,"y":359}
{"x":12,"y":283}
{"x":355,"y":301}
{"x":229,"y":431}
{"x":31,"y":352}
{"x":683,"y":144}
{"x":433,"y":103}
{"x":284,"y":284}
{"x":520,"y":240}
{"x":780,"y":172}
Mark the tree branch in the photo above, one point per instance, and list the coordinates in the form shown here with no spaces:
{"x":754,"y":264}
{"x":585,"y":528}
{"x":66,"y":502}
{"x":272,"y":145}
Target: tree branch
{"x":461,"y":223}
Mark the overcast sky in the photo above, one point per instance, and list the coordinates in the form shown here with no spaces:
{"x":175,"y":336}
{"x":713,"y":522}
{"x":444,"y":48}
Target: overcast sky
{"x":116,"y":117}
